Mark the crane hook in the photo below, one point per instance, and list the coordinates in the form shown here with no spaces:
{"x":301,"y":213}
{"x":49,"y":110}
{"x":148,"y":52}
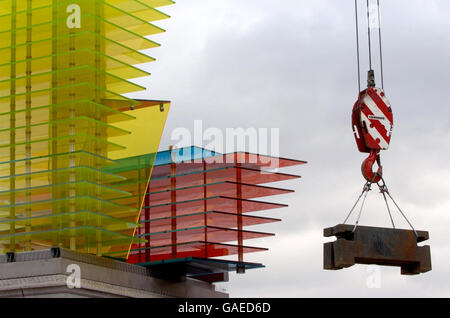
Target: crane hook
{"x":367,"y":167}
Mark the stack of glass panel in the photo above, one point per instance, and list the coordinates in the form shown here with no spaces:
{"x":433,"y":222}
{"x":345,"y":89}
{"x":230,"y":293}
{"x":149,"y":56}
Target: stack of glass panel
{"x":200,"y":204}
{"x":64,"y":123}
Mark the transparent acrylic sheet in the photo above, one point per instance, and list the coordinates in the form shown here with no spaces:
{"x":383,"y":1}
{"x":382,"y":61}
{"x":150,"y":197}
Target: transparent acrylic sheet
{"x":87,"y":238}
{"x":218,"y":203}
{"x":48,"y":177}
{"x":212,"y":234}
{"x":45,"y":31}
{"x":109,"y":9}
{"x":226,"y":188}
{"x":77,"y":203}
{"x":80,"y":142}
{"x":180,"y":155}
{"x":65,"y":220}
{"x":5,"y":5}
{"x":146,"y":131}
{"x":42,"y":193}
{"x":83,"y":56}
{"x":200,"y":249}
{"x":78,"y":92}
{"x":62,"y":160}
{"x":248,"y":176}
{"x":42,"y":114}
{"x":210,"y":218}
{"x":106,"y":12}
{"x":60,"y":93}
{"x":79,"y":41}
{"x":137,"y":188}
{"x":188,"y":163}
{"x":82,"y":74}
{"x":40,"y":131}
{"x":136,"y":163}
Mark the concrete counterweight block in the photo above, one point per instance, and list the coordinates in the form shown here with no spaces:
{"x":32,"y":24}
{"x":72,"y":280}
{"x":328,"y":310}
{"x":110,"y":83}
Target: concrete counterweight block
{"x":377,"y":246}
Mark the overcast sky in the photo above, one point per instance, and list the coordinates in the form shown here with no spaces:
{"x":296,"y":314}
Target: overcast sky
{"x":291,"y":65}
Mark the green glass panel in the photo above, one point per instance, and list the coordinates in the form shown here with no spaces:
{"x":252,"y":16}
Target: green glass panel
{"x":64,"y":220}
{"x":42,"y":114}
{"x":69,"y":204}
{"x":76,"y":91}
{"x":80,"y":57}
{"x":81,"y":125}
{"x":78,"y":142}
{"x":44,"y":48}
{"x":87,"y":237}
{"x":61,"y":160}
{"x":83,"y":188}
{"x":83,"y":73}
{"x":46,"y":177}
{"x":65,"y":127}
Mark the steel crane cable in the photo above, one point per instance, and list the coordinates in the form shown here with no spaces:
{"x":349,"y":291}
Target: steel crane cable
{"x":380,"y":44}
{"x":365,"y":189}
{"x":357,"y":46}
{"x":358,"y":52}
{"x":384,"y":189}
{"x":369,"y":35}
{"x":362,"y":207}
{"x":383,"y":192}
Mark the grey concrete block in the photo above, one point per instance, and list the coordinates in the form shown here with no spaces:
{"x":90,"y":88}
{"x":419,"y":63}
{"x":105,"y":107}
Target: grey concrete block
{"x":41,"y":274}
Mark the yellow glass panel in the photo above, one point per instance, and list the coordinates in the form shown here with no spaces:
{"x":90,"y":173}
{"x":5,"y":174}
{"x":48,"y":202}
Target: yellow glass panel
{"x":63,"y":220}
{"x":45,"y":192}
{"x":66,"y":130}
{"x":46,"y":177}
{"x":84,"y":73}
{"x":60,"y":160}
{"x":82,"y":108}
{"x":81,"y":57}
{"x":39,"y":131}
{"x":77,"y":92}
{"x":136,"y":162}
{"x":145,"y":132}
{"x":5,"y":5}
{"x":42,"y":48}
{"x":87,"y":238}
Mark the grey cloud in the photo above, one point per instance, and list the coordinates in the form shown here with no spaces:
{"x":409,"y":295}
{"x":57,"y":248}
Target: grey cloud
{"x":259,"y":63}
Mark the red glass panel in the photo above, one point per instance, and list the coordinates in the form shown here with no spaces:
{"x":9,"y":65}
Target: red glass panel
{"x":187,"y":167}
{"x":224,"y":204}
{"x":249,"y":176}
{"x":191,"y":249}
{"x":249,"y":159}
{"x":192,"y":208}
{"x":211,"y":218}
{"x":206,"y":233}
{"x":226,"y":188}
{"x":246,"y":160}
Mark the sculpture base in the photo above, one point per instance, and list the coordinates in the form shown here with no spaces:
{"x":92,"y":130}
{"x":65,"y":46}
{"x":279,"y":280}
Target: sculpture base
{"x":66,"y":274}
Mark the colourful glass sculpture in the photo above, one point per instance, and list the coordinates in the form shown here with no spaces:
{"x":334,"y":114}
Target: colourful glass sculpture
{"x":199,"y":205}
{"x":66,"y":130}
